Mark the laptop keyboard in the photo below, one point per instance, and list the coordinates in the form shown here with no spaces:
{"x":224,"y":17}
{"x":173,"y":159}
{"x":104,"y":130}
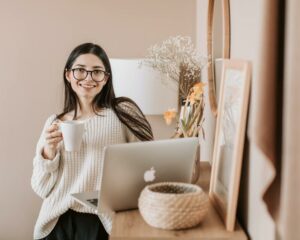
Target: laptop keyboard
{"x":93,"y":201}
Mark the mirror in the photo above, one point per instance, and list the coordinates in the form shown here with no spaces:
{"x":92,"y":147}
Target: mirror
{"x":229,"y":140}
{"x":218,"y":43}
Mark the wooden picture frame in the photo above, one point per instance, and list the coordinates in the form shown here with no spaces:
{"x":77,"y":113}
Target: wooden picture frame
{"x":229,"y":139}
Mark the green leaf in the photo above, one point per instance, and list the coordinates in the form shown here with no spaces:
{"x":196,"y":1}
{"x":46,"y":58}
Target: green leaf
{"x":183,"y":123}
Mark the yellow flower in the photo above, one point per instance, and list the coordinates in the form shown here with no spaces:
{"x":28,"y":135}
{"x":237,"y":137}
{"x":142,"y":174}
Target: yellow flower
{"x":169,"y":115}
{"x":198,"y":88}
{"x":196,"y":93}
{"x":192,"y":98}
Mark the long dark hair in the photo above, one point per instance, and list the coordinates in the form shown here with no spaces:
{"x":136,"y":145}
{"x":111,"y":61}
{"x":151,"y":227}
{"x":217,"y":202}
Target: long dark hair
{"x":126,"y":110}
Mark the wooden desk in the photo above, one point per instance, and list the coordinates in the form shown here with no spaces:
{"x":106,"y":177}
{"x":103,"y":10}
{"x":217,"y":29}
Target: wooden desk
{"x":130,"y":225}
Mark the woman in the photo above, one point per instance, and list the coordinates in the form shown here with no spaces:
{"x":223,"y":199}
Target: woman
{"x":89,"y":95}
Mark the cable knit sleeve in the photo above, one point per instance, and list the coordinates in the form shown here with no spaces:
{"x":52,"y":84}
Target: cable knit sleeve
{"x":45,"y":171}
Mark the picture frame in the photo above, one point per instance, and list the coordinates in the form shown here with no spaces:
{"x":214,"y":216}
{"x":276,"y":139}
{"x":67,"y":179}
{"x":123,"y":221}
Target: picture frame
{"x":229,"y":139}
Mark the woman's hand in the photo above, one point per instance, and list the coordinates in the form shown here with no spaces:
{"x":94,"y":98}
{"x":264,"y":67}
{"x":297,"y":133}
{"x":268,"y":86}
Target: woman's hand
{"x":53,"y":138}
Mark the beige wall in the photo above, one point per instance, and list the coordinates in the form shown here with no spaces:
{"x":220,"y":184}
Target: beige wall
{"x":36,"y":37}
{"x":246,"y":43}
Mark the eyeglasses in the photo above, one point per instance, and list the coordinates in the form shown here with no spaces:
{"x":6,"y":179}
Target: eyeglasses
{"x":97,"y":74}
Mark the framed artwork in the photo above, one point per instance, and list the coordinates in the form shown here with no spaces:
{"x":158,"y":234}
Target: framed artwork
{"x":229,"y":139}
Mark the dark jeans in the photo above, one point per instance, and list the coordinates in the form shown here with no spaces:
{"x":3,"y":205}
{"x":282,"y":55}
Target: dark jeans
{"x":78,"y":226}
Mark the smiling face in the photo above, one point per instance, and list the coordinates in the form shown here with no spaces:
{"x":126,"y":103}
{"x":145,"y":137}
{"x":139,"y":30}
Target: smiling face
{"x":86,"y":89}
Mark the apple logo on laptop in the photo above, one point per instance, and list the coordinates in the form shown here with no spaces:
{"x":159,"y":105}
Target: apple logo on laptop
{"x":149,"y":175}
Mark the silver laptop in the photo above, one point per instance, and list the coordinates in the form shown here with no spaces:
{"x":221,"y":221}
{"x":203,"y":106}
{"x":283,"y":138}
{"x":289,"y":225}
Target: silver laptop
{"x":129,"y":167}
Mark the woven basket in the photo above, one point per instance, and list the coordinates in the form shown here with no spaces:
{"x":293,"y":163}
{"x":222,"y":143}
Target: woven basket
{"x":171,"y":205}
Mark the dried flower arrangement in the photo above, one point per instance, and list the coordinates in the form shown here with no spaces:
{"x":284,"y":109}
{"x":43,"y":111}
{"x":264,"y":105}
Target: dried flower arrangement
{"x":177,"y":58}
{"x":191,"y":116}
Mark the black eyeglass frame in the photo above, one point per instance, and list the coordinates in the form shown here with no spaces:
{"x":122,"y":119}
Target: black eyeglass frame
{"x":106,"y":74}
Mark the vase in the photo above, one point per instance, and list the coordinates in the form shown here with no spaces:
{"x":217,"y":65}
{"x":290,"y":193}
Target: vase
{"x":196,"y":168}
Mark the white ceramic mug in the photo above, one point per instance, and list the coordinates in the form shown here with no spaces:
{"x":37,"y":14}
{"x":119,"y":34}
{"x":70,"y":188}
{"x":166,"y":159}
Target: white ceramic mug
{"x":72,"y":132}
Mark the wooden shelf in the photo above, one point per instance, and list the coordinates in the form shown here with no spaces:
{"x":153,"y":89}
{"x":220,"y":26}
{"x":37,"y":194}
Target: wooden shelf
{"x":130,"y":225}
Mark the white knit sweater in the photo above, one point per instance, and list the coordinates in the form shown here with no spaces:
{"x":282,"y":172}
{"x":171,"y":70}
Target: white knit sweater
{"x":74,"y":172}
